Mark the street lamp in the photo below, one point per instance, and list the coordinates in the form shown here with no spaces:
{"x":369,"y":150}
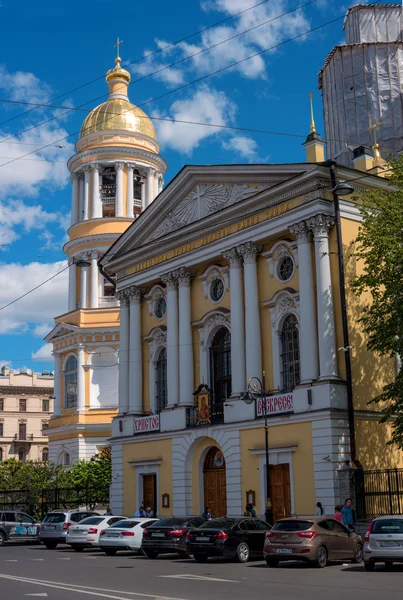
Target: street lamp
{"x":82,"y":262}
{"x":254,"y":391}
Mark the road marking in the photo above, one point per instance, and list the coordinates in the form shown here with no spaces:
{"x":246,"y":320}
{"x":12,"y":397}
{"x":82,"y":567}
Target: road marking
{"x":89,"y":557}
{"x":10,"y":560}
{"x":36,"y":559}
{"x":63,"y":558}
{"x":43,"y":595}
{"x":196,"y":578}
{"x":85,"y":589}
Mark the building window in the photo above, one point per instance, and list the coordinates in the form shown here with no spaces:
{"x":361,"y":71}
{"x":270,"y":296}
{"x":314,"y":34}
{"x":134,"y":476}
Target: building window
{"x":216,"y":290}
{"x":64,"y":459}
{"x":22,"y":454}
{"x":70,"y":383}
{"x":161,"y":380}
{"x":160,"y":307}
{"x":23,"y":405}
{"x":45,"y":454}
{"x":290,"y":354}
{"x":45,"y":405}
{"x":220,"y":369}
{"x":22,"y":431}
{"x":285,"y":268}
{"x":1,"y":429}
{"x":1,"y":404}
{"x":1,"y":454}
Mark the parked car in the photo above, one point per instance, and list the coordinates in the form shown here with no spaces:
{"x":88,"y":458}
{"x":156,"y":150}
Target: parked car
{"x":168,"y":536}
{"x":383,"y":542}
{"x":311,"y":539}
{"x":17,"y":526}
{"x":55,"y":525}
{"x":124,"y":535}
{"x":86,"y":533}
{"x":233,"y":537}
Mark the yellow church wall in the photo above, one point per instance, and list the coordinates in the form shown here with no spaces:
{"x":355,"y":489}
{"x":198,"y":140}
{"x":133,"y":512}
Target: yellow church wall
{"x":200,"y":305}
{"x":97,"y":227}
{"x":147,"y":451}
{"x":373,"y":450}
{"x":300,"y":435}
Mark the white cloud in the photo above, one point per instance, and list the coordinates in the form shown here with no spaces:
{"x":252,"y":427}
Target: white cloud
{"x":24,"y":86}
{"x":42,"y":330}
{"x":38,"y":308}
{"x":243,"y":146}
{"x":205,"y":105}
{"x":44,"y":353}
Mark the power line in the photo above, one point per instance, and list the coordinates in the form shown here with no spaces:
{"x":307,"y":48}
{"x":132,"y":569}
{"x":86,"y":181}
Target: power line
{"x":33,"y":289}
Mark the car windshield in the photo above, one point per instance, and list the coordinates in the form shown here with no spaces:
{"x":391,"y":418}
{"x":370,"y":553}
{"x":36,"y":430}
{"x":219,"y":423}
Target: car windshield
{"x":388,"y":526}
{"x":292,"y":525}
{"x":55,"y":518}
{"x":92,"y":521}
{"x":169,"y":522}
{"x":218,"y":523}
{"x":125,"y":524}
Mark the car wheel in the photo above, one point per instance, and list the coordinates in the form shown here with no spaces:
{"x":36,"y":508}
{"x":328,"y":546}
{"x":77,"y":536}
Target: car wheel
{"x":200,"y":558}
{"x":369,"y":566}
{"x":151,"y":553}
{"x":242,"y":553}
{"x":110,"y":552}
{"x":272,"y":562}
{"x":321,"y":557}
{"x":183,"y":555}
{"x":77,"y":548}
{"x":358,"y":554}
{"x":2,"y":538}
{"x":50,"y":545}
{"x":388,"y":564}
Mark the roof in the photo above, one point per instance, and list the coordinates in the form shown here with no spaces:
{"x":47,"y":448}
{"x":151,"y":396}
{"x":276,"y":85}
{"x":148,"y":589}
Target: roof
{"x":361,"y":6}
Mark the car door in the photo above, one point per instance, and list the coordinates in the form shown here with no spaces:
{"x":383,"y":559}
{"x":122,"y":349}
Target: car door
{"x":329,"y":538}
{"x":255,"y":537}
{"x":346,"y":542}
{"x":29,"y":529}
{"x":241,"y":535}
{"x":261,"y":529}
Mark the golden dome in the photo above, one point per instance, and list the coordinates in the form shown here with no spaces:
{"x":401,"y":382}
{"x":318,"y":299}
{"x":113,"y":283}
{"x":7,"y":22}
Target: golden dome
{"x":118,"y":114}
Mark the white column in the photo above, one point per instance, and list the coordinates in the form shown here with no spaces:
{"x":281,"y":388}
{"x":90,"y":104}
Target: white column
{"x":57,"y":402}
{"x":320,"y":225}
{"x":80,"y":379}
{"x":81,"y":196}
{"x":186,"y":376}
{"x":135,"y":354}
{"x":129,"y":194}
{"x":72,"y":285}
{"x":86,"y":194}
{"x":253,"y":343}
{"x":308,"y":337}
{"x":84,"y":285}
{"x":172,"y":339}
{"x":96,"y":212}
{"x":119,"y":190}
{"x":124,"y":352}
{"x":156,"y":185}
{"x":160,"y":183}
{"x":74,"y":198}
{"x":150,"y":186}
{"x":94,"y":287}
{"x":143,"y":196}
{"x":238,"y":373}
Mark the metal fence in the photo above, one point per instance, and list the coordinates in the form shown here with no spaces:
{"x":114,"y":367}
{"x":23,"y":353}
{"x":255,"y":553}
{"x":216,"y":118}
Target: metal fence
{"x":378,"y":493}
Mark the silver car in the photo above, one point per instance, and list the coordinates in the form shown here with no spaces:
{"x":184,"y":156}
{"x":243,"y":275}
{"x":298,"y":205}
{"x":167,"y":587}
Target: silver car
{"x":56,"y":524}
{"x":383,"y":541}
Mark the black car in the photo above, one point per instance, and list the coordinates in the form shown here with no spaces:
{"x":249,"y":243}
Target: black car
{"x":169,"y":535}
{"x":233,"y":537}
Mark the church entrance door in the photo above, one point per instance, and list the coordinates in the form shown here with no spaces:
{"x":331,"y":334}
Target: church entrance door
{"x":215,"y":488}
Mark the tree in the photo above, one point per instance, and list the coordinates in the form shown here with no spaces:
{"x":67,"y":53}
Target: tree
{"x":95,"y":473}
{"x":380,"y":247}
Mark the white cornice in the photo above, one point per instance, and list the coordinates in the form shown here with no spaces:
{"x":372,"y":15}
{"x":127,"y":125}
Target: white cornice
{"x":97,"y":240}
{"x":121,"y":152}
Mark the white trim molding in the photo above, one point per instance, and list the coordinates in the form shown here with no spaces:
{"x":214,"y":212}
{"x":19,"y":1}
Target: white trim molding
{"x":157,"y":340}
{"x":212,"y":273}
{"x":279,"y":250}
{"x":146,"y":467}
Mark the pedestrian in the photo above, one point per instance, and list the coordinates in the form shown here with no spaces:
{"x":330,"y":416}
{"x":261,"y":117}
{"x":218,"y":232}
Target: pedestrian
{"x":249,"y":511}
{"x":140,"y":512}
{"x":348,"y":514}
{"x":319,"y":509}
{"x":149,"y":512}
{"x":208,"y":515}
{"x":337,"y":514}
{"x":108,"y":512}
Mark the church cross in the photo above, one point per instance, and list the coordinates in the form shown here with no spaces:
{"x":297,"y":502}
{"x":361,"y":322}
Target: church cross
{"x":373,"y":128}
{"x":118,"y":42}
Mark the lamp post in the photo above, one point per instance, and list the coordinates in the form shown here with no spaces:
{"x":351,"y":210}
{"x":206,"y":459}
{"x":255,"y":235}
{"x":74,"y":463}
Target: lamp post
{"x":254,"y":391}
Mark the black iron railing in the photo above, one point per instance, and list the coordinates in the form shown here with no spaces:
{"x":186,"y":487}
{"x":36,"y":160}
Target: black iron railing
{"x":216,"y":413}
{"x":378,"y":492}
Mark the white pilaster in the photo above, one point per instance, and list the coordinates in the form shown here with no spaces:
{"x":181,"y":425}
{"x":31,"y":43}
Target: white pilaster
{"x":238,"y":373}
{"x":135,"y":353}
{"x":143,"y":196}
{"x":84,"y":285}
{"x":96,"y":198}
{"x":130,"y":193}
{"x":81,"y":196}
{"x":320,"y":225}
{"x":308,"y":338}
{"x":57,"y":402}
{"x":150,"y":186}
{"x":253,"y":343}
{"x":86,"y":194}
{"x":80,"y":379}
{"x":156,"y":184}
{"x":186,"y":376}
{"x":172,"y":339}
{"x":74,"y":198}
{"x":160,"y":183}
{"x":94,"y":287}
{"x":124,"y":352}
{"x":119,"y":189}
{"x":72,"y":285}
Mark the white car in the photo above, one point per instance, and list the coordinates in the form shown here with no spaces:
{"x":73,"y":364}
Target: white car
{"x":86,"y":533}
{"x":127,"y":535}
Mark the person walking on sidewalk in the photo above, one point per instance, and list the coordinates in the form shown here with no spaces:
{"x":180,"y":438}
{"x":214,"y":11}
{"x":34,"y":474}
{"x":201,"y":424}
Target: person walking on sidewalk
{"x":348,"y":514}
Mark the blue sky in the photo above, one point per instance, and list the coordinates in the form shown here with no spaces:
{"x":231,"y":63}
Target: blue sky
{"x":49,"y":48}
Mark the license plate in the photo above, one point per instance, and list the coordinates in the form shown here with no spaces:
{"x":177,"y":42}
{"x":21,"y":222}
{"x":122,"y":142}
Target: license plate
{"x":114,"y":535}
{"x":283,"y":550}
{"x":48,"y":527}
{"x":390,"y":544}
{"x":202,"y":539}
{"x":158,"y":535}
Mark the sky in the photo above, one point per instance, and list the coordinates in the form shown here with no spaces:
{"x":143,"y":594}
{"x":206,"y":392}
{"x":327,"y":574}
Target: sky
{"x":58,"y":53}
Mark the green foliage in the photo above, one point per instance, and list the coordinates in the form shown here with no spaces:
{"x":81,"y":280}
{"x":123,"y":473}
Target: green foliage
{"x":380,"y":247}
{"x":94,"y":473}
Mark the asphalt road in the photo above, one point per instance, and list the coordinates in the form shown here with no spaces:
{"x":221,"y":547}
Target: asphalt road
{"x":62,"y":574}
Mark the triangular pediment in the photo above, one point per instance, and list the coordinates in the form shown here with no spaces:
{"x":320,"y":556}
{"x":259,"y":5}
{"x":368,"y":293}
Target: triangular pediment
{"x":59,"y":331}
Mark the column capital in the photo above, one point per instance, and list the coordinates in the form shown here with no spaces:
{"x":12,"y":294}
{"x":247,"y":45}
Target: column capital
{"x":170,"y":280}
{"x":123,"y":297}
{"x":232,"y":256}
{"x":301,"y":231}
{"x":71,"y":261}
{"x":184,"y":276}
{"x":119,"y":166}
{"x":130,"y":165}
{"x":94,"y":254}
{"x":96,"y":167}
{"x":80,"y":174}
{"x":249,"y":252}
{"x":86,"y":169}
{"x":135,"y":294}
{"x":74,"y":177}
{"x":320,"y":224}
{"x":150,"y":171}
{"x":84,"y":256}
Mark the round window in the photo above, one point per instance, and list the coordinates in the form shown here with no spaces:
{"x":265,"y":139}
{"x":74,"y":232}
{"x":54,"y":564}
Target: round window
{"x":160,"y":307}
{"x":285,"y":268}
{"x":217,"y":290}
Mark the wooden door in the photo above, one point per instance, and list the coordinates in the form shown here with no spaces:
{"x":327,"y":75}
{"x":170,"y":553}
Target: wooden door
{"x":215,"y":492}
{"x":149,"y":492}
{"x":280,"y":491}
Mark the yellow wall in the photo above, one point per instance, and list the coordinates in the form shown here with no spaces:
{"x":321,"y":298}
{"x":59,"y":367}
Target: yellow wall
{"x":373,"y":450}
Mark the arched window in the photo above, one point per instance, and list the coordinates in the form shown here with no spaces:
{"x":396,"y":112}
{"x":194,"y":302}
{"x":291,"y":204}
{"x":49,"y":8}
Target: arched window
{"x":64,"y":459}
{"x":45,"y":454}
{"x":290,"y":368}
{"x":220,"y":371}
{"x":70,"y":383}
{"x":161,"y":381}
{"x":22,"y":454}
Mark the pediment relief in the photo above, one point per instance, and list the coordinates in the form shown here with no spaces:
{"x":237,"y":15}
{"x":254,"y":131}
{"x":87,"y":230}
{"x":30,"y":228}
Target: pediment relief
{"x":59,"y":331}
